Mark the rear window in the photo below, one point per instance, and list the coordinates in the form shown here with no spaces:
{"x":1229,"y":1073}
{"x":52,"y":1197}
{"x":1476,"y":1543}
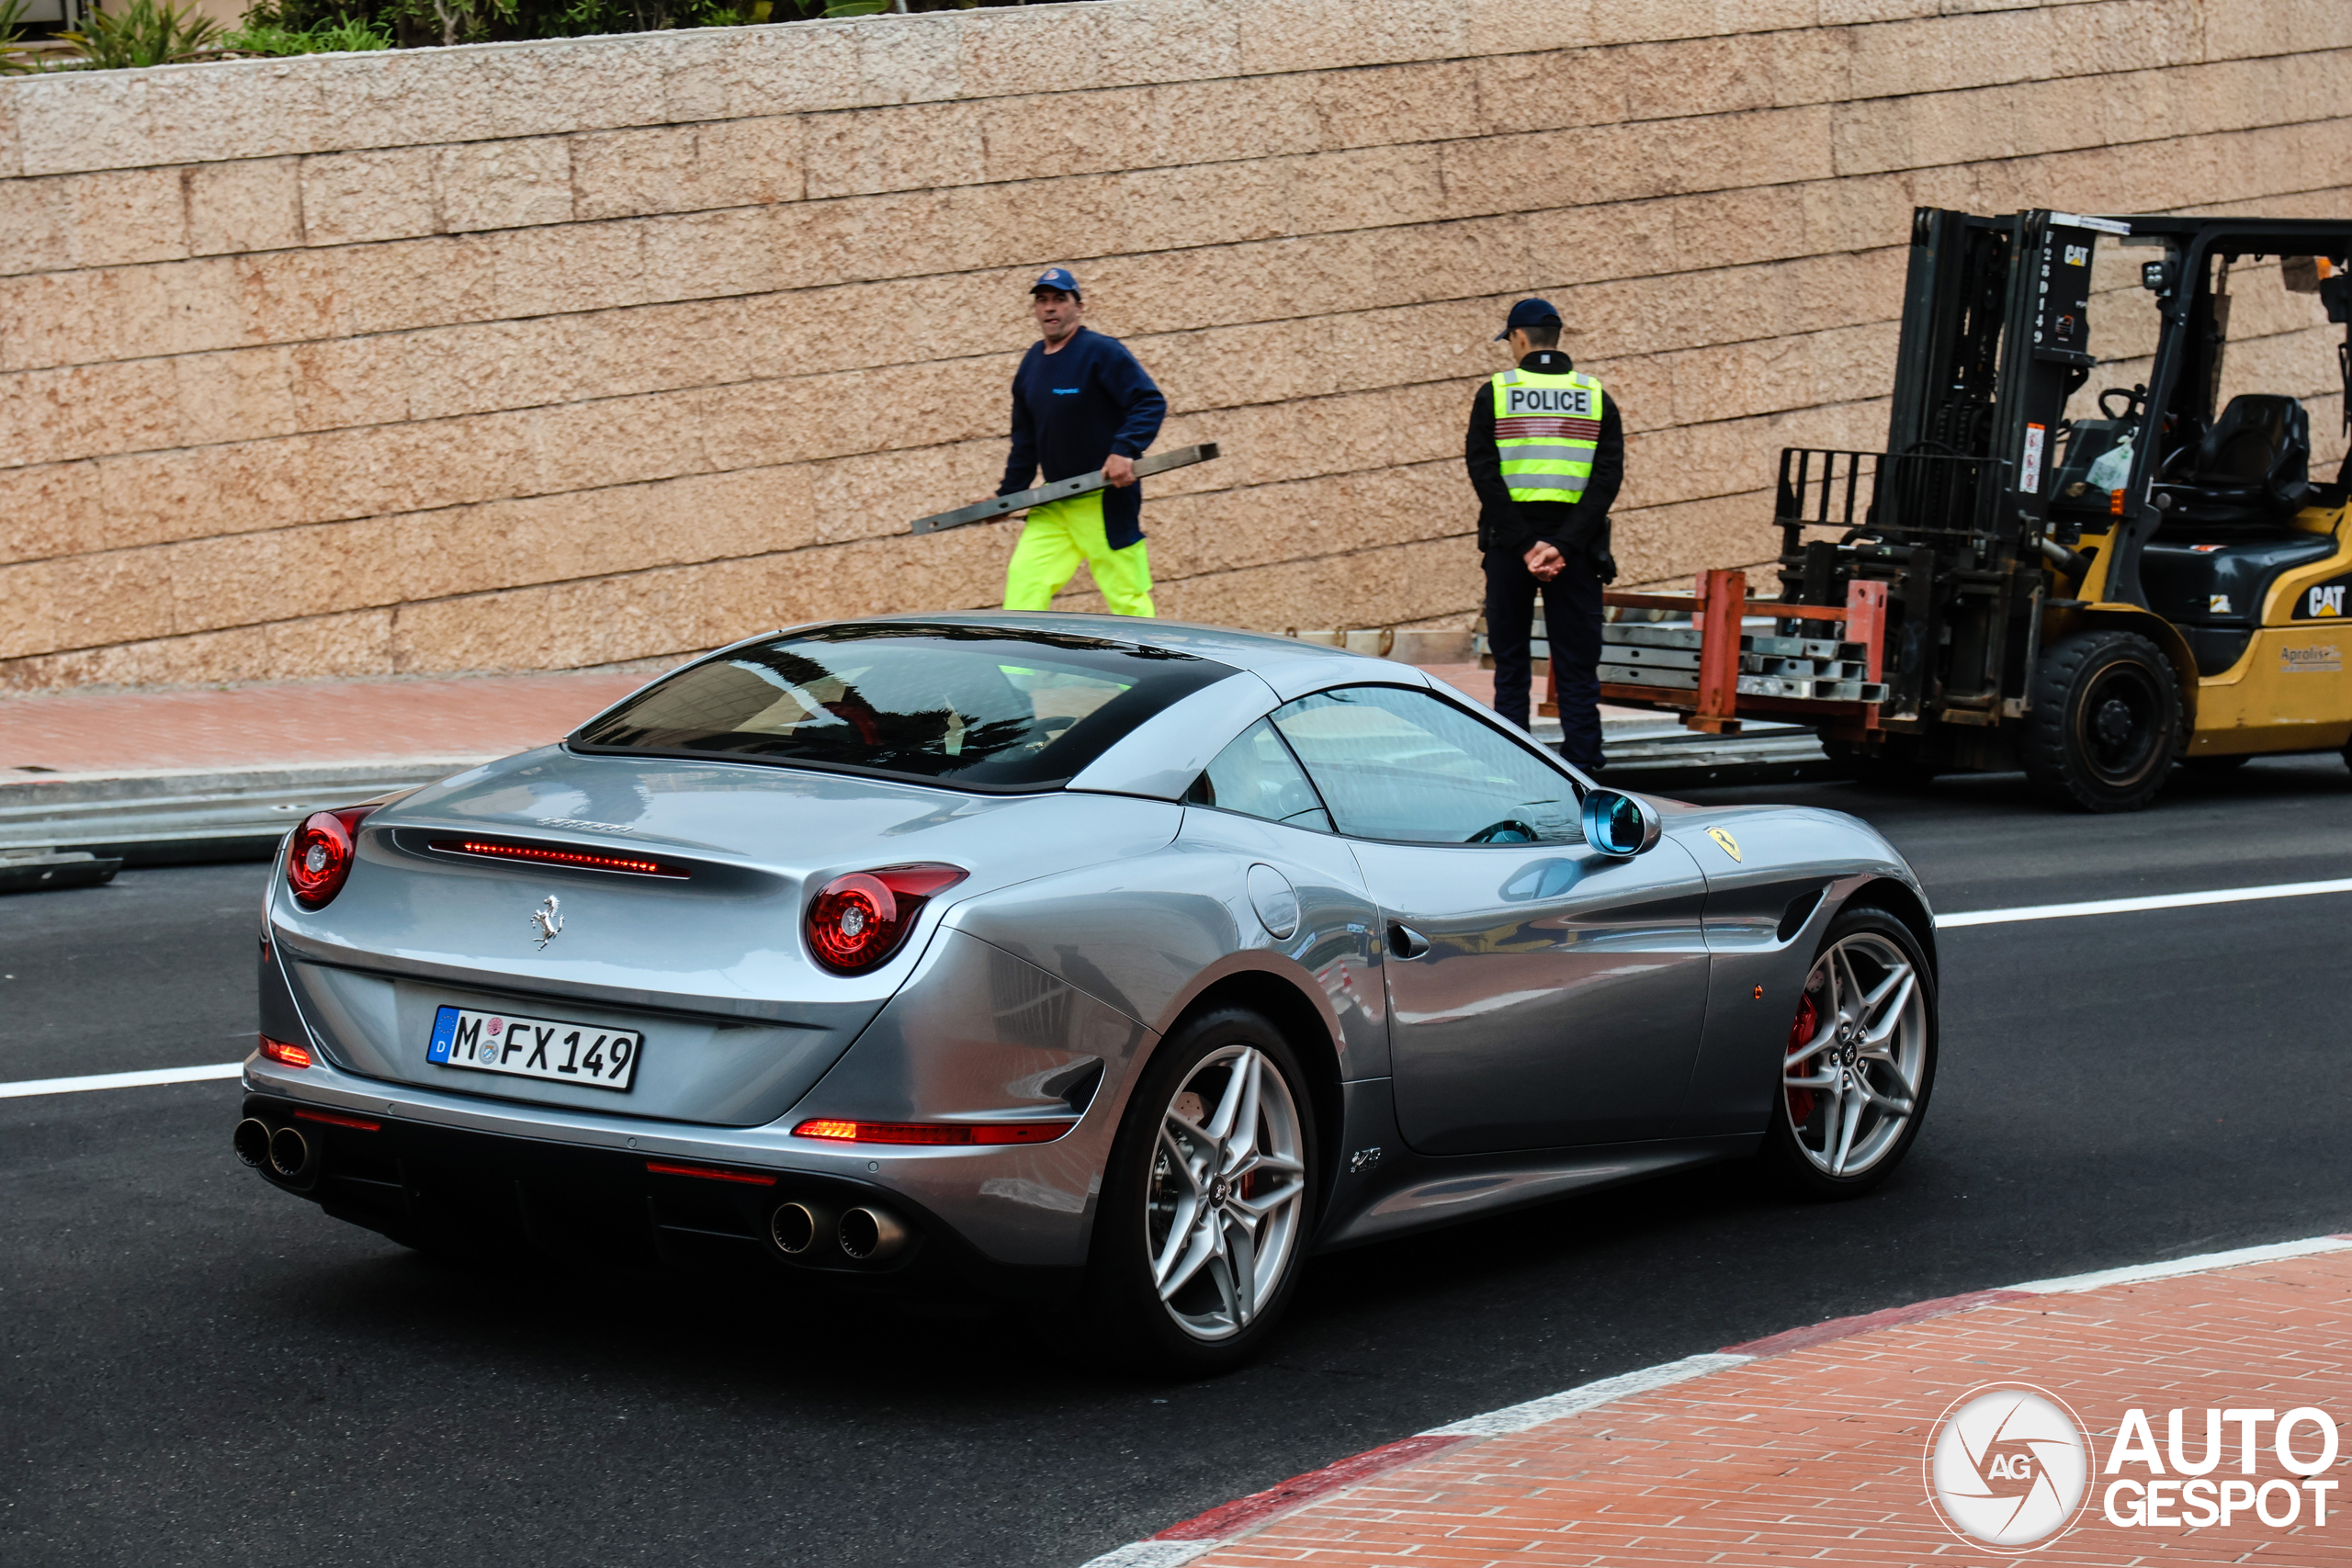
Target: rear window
{"x":973,"y":707}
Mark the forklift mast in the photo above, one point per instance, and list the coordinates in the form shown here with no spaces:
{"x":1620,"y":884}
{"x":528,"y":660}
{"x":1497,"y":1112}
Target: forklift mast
{"x":1959,"y":515}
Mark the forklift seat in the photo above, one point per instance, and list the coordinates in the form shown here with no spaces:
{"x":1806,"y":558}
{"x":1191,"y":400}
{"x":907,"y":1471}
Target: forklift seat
{"x":2253,"y":467}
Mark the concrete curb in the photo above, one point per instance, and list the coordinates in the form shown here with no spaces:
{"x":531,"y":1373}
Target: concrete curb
{"x":1203,"y":1533}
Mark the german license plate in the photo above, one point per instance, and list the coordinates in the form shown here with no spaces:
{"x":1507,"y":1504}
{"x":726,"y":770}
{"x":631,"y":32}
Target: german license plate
{"x":534,"y":1048}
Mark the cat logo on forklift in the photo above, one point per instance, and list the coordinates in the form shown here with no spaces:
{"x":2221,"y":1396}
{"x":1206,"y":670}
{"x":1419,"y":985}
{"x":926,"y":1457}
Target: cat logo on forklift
{"x":2322,"y":601}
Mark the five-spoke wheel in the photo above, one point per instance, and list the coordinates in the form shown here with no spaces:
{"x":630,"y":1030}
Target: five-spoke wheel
{"x":1223,"y":1213}
{"x":1209,"y":1198}
{"x":1861,"y":1056}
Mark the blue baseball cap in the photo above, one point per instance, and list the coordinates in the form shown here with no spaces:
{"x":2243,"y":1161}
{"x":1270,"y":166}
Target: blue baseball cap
{"x":1057,"y":278}
{"x":1530,"y":313}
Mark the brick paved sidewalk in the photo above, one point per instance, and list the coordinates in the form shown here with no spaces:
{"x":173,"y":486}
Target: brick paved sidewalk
{"x":1814,"y":1449}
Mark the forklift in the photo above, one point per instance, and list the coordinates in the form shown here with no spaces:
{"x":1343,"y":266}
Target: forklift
{"x":2076,"y":564}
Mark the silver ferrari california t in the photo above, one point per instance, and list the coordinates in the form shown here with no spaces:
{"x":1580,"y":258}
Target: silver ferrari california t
{"x":1062,"y":955}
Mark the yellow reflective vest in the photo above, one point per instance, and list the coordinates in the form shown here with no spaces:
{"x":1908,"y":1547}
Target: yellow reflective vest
{"x":1547,"y":429}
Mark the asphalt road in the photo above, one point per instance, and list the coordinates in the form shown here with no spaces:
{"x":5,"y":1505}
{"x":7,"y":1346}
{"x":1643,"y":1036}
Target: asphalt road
{"x":197,"y":1369}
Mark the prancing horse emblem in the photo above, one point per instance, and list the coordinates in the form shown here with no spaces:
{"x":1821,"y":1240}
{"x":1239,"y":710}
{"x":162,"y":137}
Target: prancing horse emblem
{"x":546,"y":921}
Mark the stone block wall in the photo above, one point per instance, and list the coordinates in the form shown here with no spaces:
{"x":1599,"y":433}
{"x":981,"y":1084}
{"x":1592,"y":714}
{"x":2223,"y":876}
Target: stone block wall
{"x":547,"y":356}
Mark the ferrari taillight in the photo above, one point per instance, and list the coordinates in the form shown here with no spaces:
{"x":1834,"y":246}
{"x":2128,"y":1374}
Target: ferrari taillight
{"x":320,"y":857}
{"x":858,"y":921}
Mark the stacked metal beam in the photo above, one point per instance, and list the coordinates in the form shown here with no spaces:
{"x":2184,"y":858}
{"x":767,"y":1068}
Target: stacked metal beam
{"x":1637,"y":653}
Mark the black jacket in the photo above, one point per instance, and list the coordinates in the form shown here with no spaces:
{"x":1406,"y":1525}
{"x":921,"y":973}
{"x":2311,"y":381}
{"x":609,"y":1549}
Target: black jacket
{"x":1577,"y":530}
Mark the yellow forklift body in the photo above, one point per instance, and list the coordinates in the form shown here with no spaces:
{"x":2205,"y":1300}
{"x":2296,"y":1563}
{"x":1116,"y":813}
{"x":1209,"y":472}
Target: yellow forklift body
{"x":2292,"y":690}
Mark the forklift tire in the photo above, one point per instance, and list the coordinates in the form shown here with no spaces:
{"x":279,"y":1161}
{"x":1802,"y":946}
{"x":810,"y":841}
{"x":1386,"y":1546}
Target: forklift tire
{"x":2106,"y":723}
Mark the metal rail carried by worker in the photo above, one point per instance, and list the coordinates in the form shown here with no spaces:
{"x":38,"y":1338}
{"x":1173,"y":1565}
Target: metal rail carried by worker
{"x":1060,"y":489}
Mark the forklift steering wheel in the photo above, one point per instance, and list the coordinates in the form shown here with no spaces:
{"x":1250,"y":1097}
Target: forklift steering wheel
{"x":2135,"y":401}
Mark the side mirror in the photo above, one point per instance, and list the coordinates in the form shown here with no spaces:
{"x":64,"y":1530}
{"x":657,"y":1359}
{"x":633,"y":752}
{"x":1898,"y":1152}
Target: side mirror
{"x":1618,"y":824}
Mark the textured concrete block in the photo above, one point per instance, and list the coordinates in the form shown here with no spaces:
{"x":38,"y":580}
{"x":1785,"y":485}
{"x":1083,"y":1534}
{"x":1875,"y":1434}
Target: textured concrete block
{"x":493,"y":364}
{"x":400,"y":98}
{"x":1506,"y":26}
{"x":249,"y":205}
{"x":82,"y":410}
{"x":747,"y":71}
{"x":502,"y":184}
{"x":84,"y":602}
{"x":72,"y":121}
{"x":65,"y":317}
{"x":700,"y":254}
{"x":628,"y":173}
{"x":241,"y":109}
{"x":1320,"y":35}
{"x":52,"y":509}
{"x":1640,"y":21}
{"x":33,"y":227}
{"x":907,"y":60}
{"x":1000,"y":53}
{"x":1427,"y":102}
{"x":417,"y":283}
{"x":618,"y":441}
{"x":354,"y":644}
{"x":913,"y":148}
{"x":565,"y":86}
{"x":128,"y":215}
{"x":349,"y":198}
{"x":687,"y":168}
{"x":236,"y":395}
{"x":11,"y":161}
{"x":286,"y":296}
{"x":349,"y":381}
{"x":578,"y":266}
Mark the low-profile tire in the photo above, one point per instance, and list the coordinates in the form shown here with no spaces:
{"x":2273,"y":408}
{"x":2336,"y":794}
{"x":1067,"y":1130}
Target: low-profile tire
{"x":2106,"y":723}
{"x":1860,"y":1064}
{"x":1212,"y":1186}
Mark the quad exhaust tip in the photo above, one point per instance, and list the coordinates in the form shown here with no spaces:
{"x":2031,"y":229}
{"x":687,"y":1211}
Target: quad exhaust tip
{"x":289,"y":1153}
{"x":251,"y":1140}
{"x":793,"y":1227}
{"x":871,"y":1235}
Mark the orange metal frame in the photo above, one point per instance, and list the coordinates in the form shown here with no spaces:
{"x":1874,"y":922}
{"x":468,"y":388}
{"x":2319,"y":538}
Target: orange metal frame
{"x":1717,"y":609}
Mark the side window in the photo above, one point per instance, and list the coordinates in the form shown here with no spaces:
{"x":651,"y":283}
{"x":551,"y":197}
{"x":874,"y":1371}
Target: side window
{"x":1400,"y":764}
{"x":1257,"y":777}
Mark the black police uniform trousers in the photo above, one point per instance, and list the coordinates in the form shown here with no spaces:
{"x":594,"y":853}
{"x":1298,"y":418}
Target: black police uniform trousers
{"x":1572,"y":626}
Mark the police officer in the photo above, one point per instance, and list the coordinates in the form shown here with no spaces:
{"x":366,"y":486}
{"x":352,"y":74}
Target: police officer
{"x":1546,"y":453}
{"x":1080,"y":402}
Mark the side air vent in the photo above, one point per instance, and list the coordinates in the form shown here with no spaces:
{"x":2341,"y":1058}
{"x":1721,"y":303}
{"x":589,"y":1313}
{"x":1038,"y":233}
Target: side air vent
{"x":1798,"y":911}
{"x":618,"y":861}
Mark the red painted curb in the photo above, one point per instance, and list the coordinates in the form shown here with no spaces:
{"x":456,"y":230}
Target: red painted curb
{"x":1243,"y":1512}
{"x":1868,"y":1322}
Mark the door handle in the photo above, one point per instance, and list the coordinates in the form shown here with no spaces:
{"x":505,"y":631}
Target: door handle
{"x":1405,"y":941}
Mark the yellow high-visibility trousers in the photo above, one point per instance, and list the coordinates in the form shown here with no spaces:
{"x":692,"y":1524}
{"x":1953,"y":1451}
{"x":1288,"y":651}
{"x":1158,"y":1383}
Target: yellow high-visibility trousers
{"x":1057,"y":536}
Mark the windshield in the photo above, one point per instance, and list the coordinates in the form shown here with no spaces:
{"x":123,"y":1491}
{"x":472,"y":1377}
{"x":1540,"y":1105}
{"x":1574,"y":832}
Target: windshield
{"x":975,"y":708}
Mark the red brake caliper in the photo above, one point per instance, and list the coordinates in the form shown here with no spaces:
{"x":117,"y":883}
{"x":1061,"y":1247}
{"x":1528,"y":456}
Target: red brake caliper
{"x":1807,"y":1024}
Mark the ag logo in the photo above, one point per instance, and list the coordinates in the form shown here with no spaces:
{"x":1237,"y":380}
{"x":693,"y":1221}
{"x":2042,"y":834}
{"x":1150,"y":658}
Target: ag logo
{"x":2007,"y":1469}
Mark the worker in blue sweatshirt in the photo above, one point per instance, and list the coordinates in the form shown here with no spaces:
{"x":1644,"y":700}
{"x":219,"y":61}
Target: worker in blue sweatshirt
{"x":1079,"y":402}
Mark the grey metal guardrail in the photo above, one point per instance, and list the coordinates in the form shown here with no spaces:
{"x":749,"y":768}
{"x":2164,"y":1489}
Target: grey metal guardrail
{"x":154,"y":818}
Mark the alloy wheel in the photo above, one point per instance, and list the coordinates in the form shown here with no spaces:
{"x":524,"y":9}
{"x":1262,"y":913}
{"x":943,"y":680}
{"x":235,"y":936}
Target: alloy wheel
{"x":1856,"y":1051}
{"x":1226,"y":1194}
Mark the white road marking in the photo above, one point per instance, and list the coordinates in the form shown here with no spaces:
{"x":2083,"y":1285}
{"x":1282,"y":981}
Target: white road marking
{"x":1588,"y":1396}
{"x":2154,"y":901}
{"x":121,"y":1081}
{"x":2069,"y":1283}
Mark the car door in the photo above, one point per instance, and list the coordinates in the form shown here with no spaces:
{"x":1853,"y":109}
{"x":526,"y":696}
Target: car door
{"x":1539,"y":994}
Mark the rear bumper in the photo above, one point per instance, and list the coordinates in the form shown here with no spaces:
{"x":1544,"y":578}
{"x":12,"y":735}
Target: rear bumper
{"x":425,"y":1184}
